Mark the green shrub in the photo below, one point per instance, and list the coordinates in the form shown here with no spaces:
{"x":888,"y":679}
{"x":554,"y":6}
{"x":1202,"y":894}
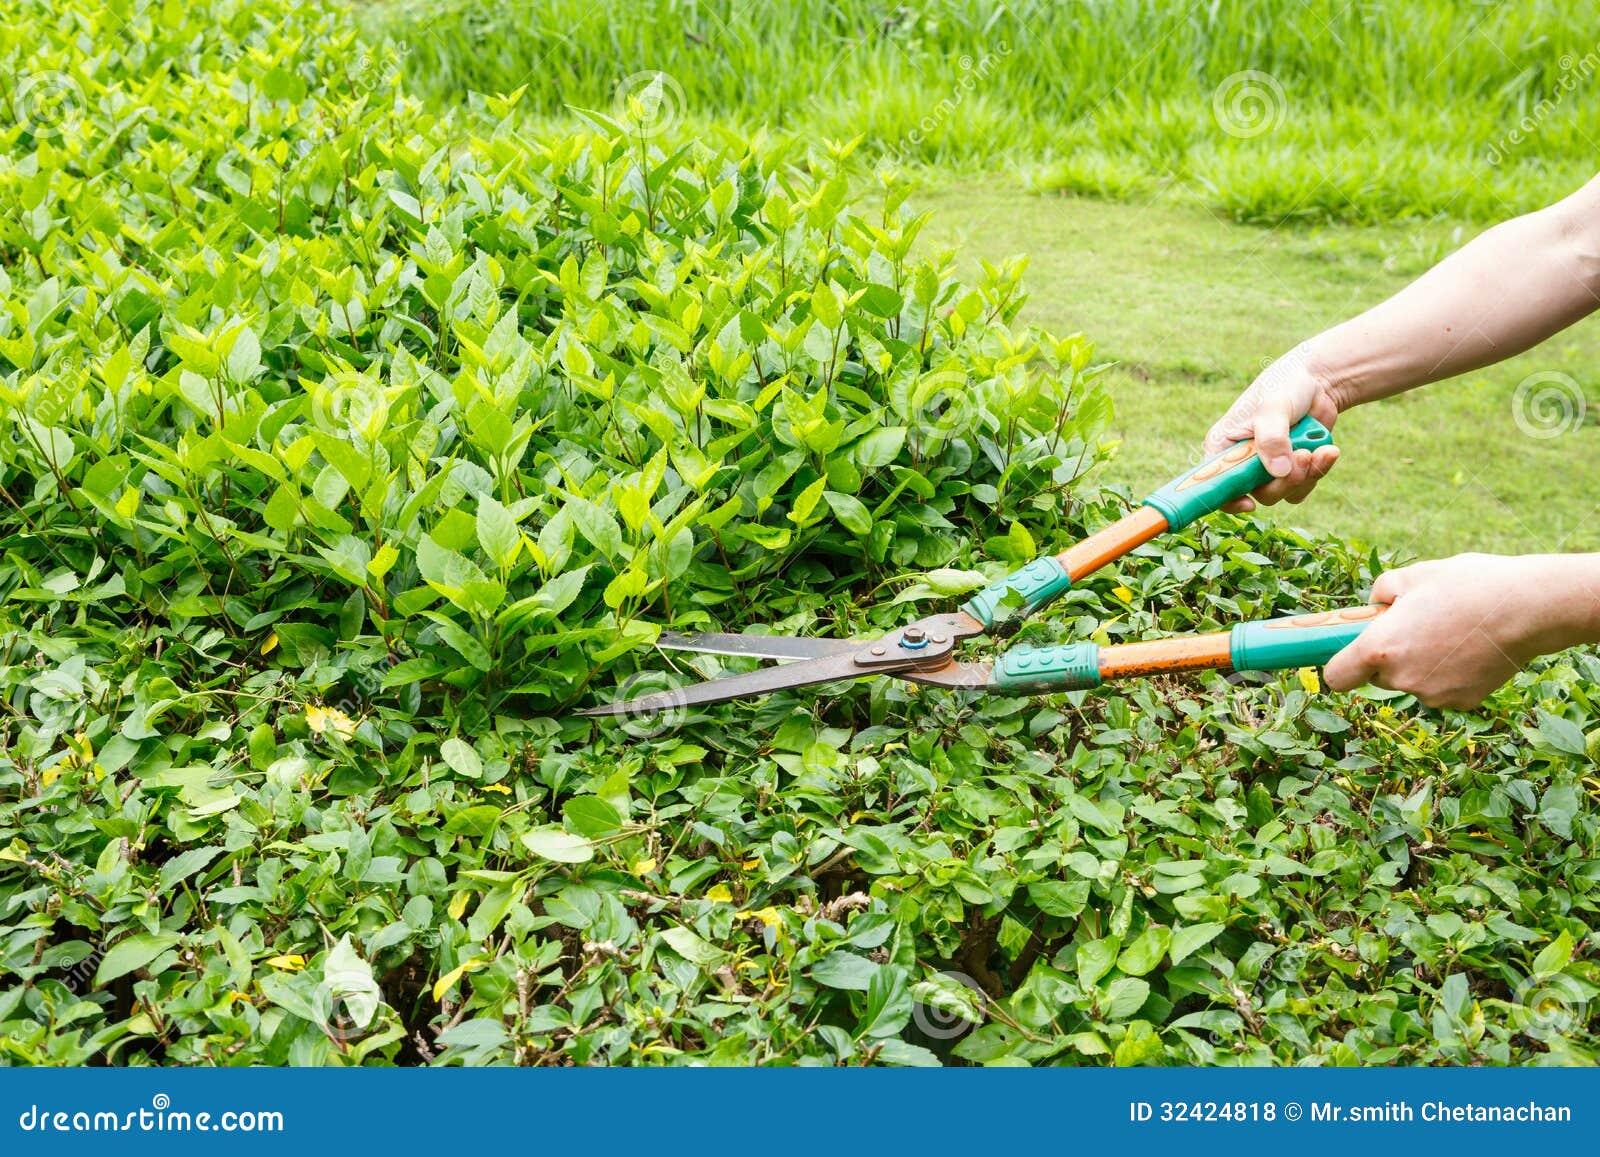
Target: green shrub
{"x":347,"y":447}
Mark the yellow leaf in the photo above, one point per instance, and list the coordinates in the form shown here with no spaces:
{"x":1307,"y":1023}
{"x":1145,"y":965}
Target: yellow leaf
{"x":458,"y":904}
{"x":720,"y":893}
{"x":501,"y":788}
{"x":271,"y":644}
{"x":128,"y":504}
{"x":448,"y":980}
{"x":1122,"y":593}
{"x":768,"y":916}
{"x":319,"y":719}
{"x":292,"y":962}
{"x":1309,"y":680}
{"x":749,"y":864}
{"x":645,"y":866}
{"x":50,"y":774}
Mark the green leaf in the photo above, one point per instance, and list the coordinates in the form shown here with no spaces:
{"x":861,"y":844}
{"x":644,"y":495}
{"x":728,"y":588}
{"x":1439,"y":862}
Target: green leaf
{"x":1064,"y":898}
{"x":591,"y":816}
{"x":498,"y":532}
{"x":463,"y":643}
{"x":132,"y":953}
{"x":1555,"y":956}
{"x":1124,"y":997}
{"x":840,"y":969}
{"x":689,"y":945}
{"x":1557,"y":734}
{"x":460,"y":757}
{"x":1188,"y":940}
{"x":881,"y":447}
{"x":559,"y":845}
{"x":1095,"y":959}
{"x":806,"y":504}
{"x":852,"y":514}
{"x":1145,"y":952}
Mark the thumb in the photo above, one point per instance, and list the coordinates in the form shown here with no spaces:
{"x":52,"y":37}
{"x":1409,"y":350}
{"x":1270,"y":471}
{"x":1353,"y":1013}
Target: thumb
{"x":1351,"y":667}
{"x":1392,"y":584}
{"x":1272,"y":424}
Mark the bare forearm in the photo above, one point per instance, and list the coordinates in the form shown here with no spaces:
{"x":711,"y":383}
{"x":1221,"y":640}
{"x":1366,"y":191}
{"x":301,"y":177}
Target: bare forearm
{"x":1567,"y":586}
{"x":1504,"y":292}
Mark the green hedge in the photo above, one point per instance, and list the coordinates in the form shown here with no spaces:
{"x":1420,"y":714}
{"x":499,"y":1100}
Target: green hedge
{"x":348,"y":446}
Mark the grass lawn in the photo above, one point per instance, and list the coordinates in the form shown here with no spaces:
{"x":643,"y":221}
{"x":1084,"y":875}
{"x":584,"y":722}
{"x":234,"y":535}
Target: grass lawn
{"x":1190,"y":307}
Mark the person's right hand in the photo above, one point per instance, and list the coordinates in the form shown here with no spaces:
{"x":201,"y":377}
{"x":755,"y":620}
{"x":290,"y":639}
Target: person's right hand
{"x":1285,"y":392}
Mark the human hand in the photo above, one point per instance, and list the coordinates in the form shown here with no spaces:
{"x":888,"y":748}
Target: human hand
{"x":1459,"y":627}
{"x":1281,"y":395}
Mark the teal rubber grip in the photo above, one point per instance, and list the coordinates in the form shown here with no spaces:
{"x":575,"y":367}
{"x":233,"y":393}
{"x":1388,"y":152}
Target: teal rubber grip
{"x":1038,"y":582}
{"x":1297,"y":640}
{"x":1223,"y":477}
{"x":1068,"y":667}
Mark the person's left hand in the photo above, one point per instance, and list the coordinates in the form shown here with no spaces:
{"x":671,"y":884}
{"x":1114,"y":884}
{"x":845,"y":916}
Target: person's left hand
{"x":1457,"y":628}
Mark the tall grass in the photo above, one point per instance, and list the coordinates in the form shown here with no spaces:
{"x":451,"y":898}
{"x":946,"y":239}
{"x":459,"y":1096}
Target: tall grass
{"x":1383,"y":108}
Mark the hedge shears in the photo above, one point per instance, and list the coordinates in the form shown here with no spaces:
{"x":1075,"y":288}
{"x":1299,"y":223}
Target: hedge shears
{"x":924,"y":651}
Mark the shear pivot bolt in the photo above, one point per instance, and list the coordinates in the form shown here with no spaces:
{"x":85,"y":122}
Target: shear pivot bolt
{"x":913,"y":637}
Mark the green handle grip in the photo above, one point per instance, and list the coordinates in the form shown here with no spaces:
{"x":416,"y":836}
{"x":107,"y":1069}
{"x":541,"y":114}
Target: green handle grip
{"x":1298,"y":640}
{"x":1038,"y":582}
{"x":1267,"y":645}
{"x":1223,"y":477}
{"x":1068,"y":667}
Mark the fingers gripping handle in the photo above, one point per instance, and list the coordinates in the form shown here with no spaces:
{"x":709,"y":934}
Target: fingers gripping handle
{"x":1224,"y":477}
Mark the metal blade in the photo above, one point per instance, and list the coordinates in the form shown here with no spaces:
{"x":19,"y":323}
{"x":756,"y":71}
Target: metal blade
{"x":806,"y":673}
{"x":960,"y":676}
{"x":758,"y":646}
